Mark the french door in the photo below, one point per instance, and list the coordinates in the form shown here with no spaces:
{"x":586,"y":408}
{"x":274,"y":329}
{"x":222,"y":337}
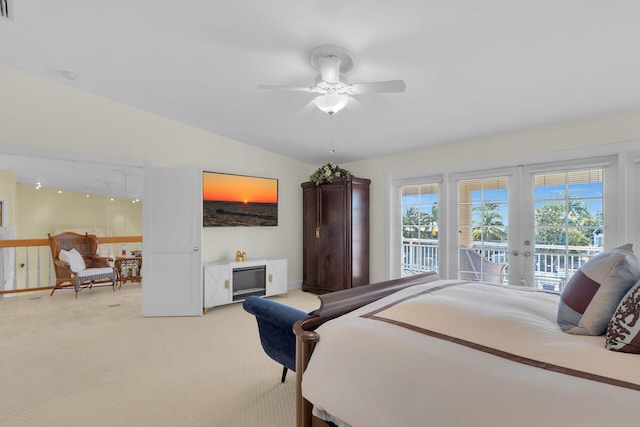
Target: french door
{"x":567,"y":226}
{"x":484,"y":231}
{"x":532,"y":226}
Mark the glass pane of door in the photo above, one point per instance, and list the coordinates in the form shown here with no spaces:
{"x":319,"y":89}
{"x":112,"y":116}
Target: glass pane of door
{"x":419,"y":228}
{"x":569,"y":223}
{"x":483,"y":213}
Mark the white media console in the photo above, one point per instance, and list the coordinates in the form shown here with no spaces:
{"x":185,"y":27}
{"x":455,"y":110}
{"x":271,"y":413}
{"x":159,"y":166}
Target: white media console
{"x":233,"y":281}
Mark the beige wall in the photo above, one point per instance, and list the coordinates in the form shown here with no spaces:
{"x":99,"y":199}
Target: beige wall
{"x":8,"y":194}
{"x":41,"y":114}
{"x":46,"y":211}
{"x":559,"y":142}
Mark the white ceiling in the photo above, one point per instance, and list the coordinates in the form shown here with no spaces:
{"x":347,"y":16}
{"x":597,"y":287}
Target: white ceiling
{"x":472,"y":68}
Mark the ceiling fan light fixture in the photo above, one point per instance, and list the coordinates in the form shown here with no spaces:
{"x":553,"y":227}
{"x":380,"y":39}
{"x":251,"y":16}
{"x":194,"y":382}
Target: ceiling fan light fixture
{"x":331,"y":86}
{"x":331,"y":102}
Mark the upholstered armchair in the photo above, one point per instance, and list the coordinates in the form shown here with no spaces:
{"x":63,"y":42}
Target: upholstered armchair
{"x":275,"y":326}
{"x":77,"y":263}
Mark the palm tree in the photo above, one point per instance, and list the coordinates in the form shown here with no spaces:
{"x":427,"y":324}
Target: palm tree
{"x":433,"y":225}
{"x":414,"y":223}
{"x":491,"y":224}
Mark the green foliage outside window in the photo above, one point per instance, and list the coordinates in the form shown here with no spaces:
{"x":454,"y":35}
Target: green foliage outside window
{"x":570,"y":223}
{"x":420,"y":225}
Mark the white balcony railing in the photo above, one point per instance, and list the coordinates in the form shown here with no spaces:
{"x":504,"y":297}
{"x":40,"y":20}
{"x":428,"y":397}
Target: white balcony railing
{"x":553,"y":264}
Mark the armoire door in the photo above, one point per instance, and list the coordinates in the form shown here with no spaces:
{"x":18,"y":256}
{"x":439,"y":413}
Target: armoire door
{"x":332,"y":260}
{"x":310,"y":231}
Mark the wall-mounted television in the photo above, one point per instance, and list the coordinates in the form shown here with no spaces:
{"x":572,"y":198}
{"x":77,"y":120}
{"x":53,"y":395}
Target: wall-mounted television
{"x":238,"y":200}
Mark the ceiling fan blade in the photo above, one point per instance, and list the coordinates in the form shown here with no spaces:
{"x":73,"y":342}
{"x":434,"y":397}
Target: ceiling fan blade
{"x":378,"y":87}
{"x":353,"y":104}
{"x":307,"y":109}
{"x":287,"y":88}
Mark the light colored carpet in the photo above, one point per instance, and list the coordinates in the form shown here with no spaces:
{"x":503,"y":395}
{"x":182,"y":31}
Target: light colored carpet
{"x":96,"y":361}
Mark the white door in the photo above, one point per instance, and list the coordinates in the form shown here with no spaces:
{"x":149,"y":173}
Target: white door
{"x":566,"y":225}
{"x":484,"y":228}
{"x":532,"y":226}
{"x":172,"y":233}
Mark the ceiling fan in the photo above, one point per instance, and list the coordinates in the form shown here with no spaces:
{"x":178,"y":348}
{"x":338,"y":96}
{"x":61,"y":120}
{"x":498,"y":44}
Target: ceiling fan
{"x":331,"y":86}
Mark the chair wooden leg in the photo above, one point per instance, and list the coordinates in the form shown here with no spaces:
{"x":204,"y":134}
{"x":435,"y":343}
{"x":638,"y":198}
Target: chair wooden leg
{"x":284,"y":374}
{"x":59,"y":285}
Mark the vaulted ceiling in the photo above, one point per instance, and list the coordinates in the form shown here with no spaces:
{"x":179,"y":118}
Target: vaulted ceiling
{"x":471,"y":68}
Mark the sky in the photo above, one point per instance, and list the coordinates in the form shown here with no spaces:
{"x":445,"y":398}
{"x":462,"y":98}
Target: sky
{"x":239,"y":188}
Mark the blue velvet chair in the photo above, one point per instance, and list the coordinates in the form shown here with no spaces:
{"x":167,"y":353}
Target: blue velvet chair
{"x":275,"y":326}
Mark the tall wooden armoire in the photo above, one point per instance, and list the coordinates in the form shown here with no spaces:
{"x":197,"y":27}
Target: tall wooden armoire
{"x":335,"y":235}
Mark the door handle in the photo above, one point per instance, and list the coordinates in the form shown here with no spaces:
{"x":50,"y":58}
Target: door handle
{"x":196,"y":249}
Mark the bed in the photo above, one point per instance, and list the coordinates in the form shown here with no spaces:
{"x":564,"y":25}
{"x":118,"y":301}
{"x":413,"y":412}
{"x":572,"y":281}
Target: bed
{"x":421,"y":351}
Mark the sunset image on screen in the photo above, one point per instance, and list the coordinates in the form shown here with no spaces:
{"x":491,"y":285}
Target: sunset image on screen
{"x":237,"y":188}
{"x":230,"y":200}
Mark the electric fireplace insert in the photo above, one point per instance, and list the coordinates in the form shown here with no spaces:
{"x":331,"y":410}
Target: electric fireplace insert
{"x":249,"y":281}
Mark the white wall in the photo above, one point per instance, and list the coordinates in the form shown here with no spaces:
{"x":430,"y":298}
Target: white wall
{"x":566,"y":140}
{"x":37,"y":113}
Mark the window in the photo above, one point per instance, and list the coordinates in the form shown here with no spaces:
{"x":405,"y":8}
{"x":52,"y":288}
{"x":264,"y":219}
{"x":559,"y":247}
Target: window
{"x":420,"y":211}
{"x":569,"y":223}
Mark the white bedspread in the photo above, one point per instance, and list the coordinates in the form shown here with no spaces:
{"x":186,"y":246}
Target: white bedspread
{"x":387,"y":370}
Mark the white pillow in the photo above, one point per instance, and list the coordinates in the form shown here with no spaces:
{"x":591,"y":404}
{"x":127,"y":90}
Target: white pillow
{"x":73,"y":257}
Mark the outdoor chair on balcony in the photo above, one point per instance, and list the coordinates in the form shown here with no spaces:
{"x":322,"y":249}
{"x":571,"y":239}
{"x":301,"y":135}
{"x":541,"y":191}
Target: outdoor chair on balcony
{"x":475,"y":267}
{"x":77,"y":264}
